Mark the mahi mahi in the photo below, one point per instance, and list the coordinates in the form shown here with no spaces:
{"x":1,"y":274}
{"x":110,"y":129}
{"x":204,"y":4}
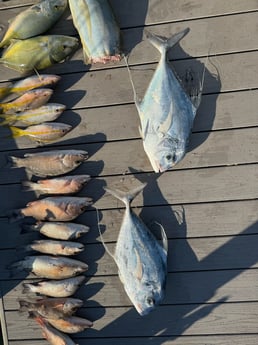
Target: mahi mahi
{"x":167,"y":111}
{"x":141,"y":260}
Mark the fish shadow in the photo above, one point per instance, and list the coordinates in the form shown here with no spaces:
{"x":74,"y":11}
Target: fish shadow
{"x":198,"y":70}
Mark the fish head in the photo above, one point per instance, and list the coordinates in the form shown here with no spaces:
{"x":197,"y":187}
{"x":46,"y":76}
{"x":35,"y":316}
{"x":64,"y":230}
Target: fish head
{"x":146,"y":296}
{"x":164,"y":153}
{"x":75,"y":159}
{"x":58,"y":5}
{"x":60,"y":47}
{"x":78,"y":206}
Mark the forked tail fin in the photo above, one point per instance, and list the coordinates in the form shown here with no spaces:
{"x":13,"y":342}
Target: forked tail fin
{"x":163,"y":44}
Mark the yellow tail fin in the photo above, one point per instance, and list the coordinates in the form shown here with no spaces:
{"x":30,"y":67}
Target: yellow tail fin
{"x":16,"y":132}
{"x":7,"y":119}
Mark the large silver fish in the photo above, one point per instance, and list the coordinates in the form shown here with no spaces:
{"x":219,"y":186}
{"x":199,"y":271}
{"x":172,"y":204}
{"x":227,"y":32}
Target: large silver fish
{"x":141,"y":260}
{"x":98,"y":30}
{"x":50,"y":163}
{"x":34,"y":20}
{"x":46,"y":266}
{"x":55,"y":288}
{"x":58,"y":230}
{"x":167,"y":111}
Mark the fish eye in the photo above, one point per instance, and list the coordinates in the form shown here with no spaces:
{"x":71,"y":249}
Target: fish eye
{"x":150,"y":301}
{"x":169,"y":157}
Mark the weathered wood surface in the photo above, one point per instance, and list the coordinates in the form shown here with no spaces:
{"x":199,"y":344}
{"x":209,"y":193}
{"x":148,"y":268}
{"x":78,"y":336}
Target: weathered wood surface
{"x":207,"y":203}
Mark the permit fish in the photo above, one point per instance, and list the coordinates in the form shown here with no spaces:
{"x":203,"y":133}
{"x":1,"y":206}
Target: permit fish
{"x":42,"y":133}
{"x":51,"y":334}
{"x":50,"y":163}
{"x":51,"y":307}
{"x":29,"y":83}
{"x":98,"y":30}
{"x":56,"y":208}
{"x":50,"y":267}
{"x":34,"y":20}
{"x":53,"y":247}
{"x":55,"y":288}
{"x":30,"y":100}
{"x":58,"y":230}
{"x":70,"y":324}
{"x":60,"y":185}
{"x":39,"y":52}
{"x":45,"y":113}
{"x":141,"y":260}
{"x":166,"y":111}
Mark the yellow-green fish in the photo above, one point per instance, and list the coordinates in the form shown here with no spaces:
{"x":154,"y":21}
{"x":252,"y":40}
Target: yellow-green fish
{"x":34,"y":21}
{"x":43,"y":133}
{"x":30,"y":83}
{"x":39,"y":52}
{"x":45,"y":113}
{"x":29,"y":100}
{"x":98,"y":30}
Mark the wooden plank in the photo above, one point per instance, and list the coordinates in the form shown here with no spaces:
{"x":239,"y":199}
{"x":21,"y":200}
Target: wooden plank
{"x":202,"y":254}
{"x":239,"y":339}
{"x":4,"y":333}
{"x":205,"y":150}
{"x":221,"y":318}
{"x":148,"y":12}
{"x":194,"y":45}
{"x":203,"y":220}
{"x":181,"y":288}
{"x":186,"y":186}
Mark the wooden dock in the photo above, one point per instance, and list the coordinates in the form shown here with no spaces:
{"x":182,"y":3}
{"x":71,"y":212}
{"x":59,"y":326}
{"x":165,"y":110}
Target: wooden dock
{"x":207,"y":203}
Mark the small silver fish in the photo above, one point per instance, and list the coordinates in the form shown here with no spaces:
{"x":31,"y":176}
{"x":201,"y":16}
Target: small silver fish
{"x":45,"y":113}
{"x":51,"y":307}
{"x":55,"y":288}
{"x":98,"y":30}
{"x":70,"y":324}
{"x":58,"y":230}
{"x":50,"y":163}
{"x":51,"y":334}
{"x":141,"y":260}
{"x":61,"y":185}
{"x":54,"y":208}
{"x":50,"y":267}
{"x":166,"y":112}
{"x":66,"y":248}
{"x":29,"y":100}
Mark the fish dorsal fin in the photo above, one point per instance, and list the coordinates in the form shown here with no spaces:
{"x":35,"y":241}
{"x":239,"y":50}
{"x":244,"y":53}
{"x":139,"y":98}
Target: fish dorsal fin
{"x":164,"y":238}
{"x":138,"y":273}
{"x":102,"y":239}
{"x":136,"y":99}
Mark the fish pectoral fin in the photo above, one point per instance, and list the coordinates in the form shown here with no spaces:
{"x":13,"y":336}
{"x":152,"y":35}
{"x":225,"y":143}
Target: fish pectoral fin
{"x":138,"y":273}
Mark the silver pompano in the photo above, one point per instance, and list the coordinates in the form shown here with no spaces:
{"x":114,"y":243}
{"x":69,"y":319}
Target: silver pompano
{"x":66,"y":248}
{"x":55,"y":288}
{"x":166,"y":112}
{"x":58,"y":230}
{"x":50,"y":267}
{"x":50,"y":163}
{"x":56,"y":208}
{"x":61,"y":185}
{"x":51,"y":307}
{"x":141,"y":260}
